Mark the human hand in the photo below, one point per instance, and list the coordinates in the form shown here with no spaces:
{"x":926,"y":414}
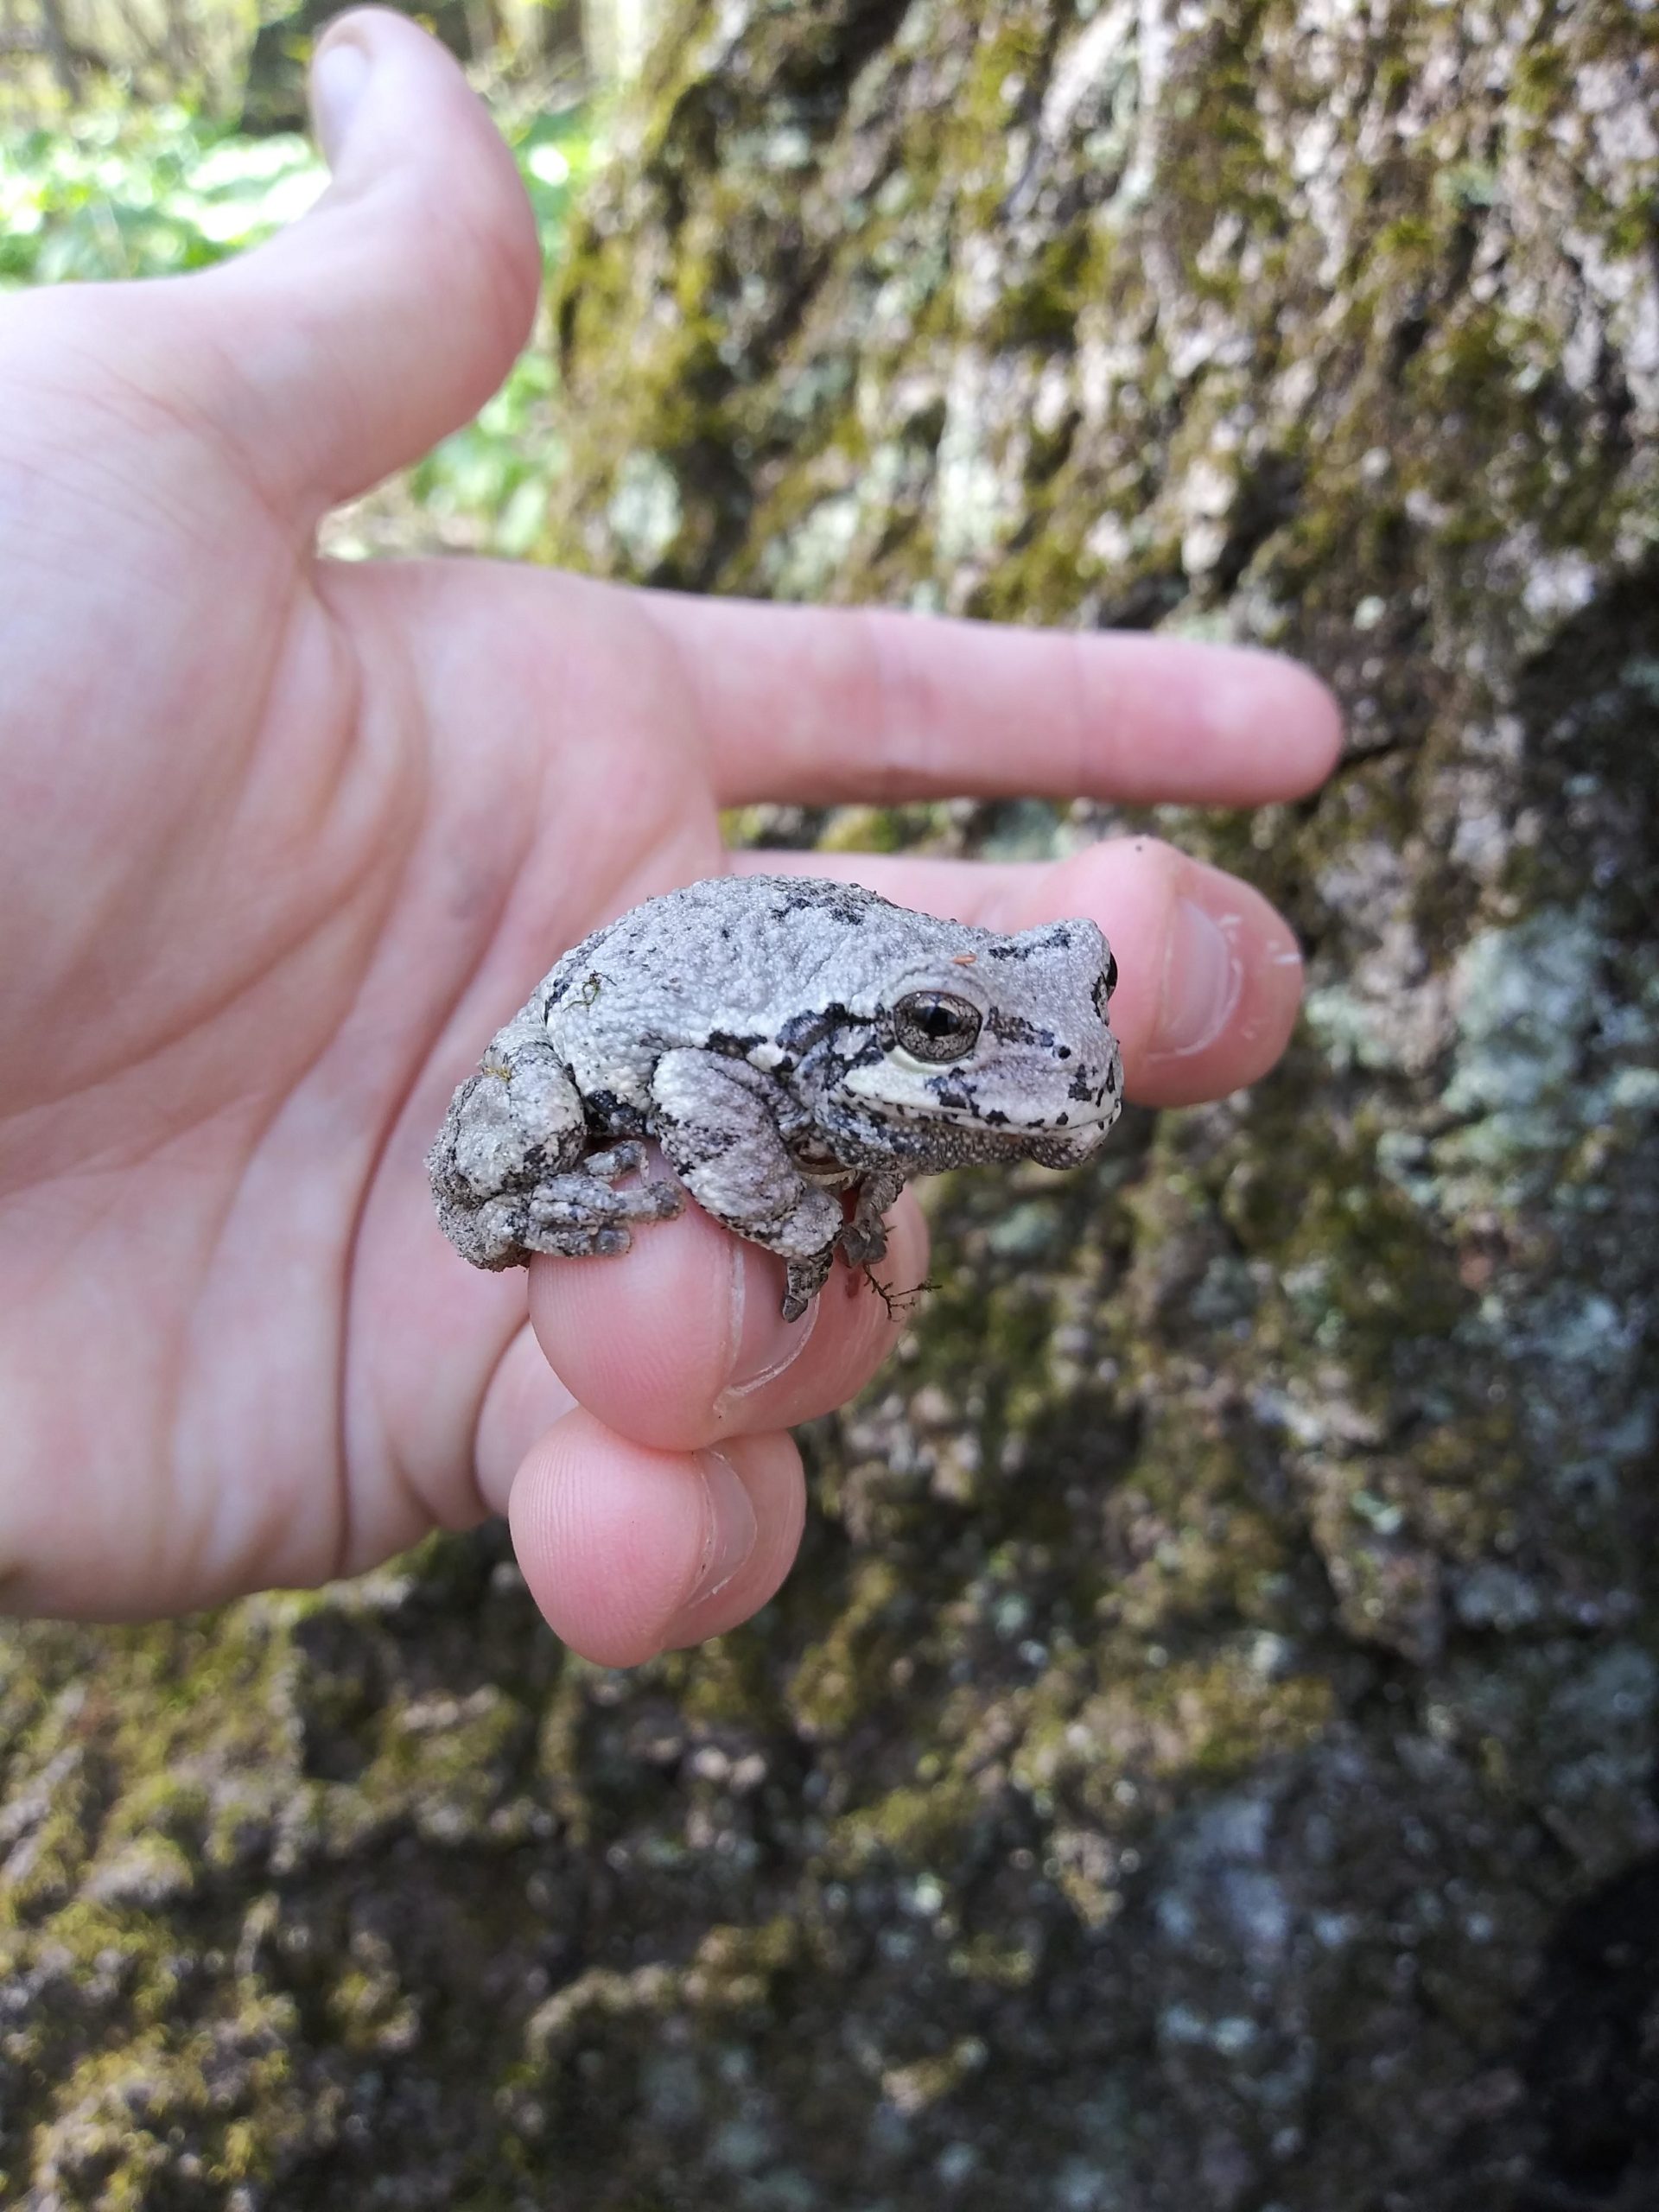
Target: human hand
{"x":283,"y":840}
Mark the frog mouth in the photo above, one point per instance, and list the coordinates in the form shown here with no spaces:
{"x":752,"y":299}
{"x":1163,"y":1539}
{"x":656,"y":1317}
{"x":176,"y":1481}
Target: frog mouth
{"x":1085,"y":1115}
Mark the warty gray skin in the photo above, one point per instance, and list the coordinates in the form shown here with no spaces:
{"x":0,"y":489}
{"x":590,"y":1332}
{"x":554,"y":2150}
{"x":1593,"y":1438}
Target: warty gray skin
{"x":785,"y":1038}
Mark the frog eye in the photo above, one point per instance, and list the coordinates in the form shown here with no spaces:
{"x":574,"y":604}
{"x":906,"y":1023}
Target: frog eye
{"x":1105,"y":984}
{"x":936,"y":1025}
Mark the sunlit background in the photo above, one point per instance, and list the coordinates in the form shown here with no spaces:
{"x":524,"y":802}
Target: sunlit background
{"x":138,"y":141}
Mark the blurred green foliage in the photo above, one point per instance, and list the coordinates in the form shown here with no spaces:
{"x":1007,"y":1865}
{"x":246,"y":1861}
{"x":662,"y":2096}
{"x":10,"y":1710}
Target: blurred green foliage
{"x":143,"y":192}
{"x":130,"y":191}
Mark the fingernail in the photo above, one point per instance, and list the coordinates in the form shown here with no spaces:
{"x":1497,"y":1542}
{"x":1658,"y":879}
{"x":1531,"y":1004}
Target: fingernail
{"x":764,"y":1343}
{"x":1203,"y":978}
{"x":729,"y":1525}
{"x":339,"y":71}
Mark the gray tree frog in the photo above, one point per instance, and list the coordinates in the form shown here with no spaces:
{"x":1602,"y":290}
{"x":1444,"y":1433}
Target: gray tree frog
{"x":785,"y":1039}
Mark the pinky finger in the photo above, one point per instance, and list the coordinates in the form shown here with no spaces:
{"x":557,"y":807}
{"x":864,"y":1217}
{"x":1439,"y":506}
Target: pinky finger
{"x":630,"y":1551}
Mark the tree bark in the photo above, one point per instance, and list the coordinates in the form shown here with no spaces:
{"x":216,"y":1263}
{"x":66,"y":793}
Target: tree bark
{"x":56,"y":40}
{"x":1320,"y":1461}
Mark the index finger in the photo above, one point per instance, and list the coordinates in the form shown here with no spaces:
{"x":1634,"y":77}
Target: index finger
{"x":821,"y":705}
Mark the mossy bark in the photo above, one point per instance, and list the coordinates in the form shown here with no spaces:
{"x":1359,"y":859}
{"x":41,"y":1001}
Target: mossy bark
{"x":1204,"y":1761}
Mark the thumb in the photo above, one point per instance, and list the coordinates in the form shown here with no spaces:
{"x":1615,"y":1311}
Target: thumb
{"x":387,"y":316}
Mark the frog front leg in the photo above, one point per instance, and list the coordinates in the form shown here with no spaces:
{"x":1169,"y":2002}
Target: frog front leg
{"x":511,"y":1170}
{"x":864,"y":1238}
{"x":720,"y":1121}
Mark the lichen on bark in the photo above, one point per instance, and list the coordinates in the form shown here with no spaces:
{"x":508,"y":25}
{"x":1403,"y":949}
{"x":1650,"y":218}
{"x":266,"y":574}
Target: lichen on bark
{"x":1204,"y":1758}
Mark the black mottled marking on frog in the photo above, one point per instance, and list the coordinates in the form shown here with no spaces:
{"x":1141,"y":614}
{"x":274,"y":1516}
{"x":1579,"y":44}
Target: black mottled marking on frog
{"x":696,"y":1148}
{"x":1014,"y":1029}
{"x":829,"y":1043}
{"x":840,"y":901}
{"x":531,"y":1169}
{"x":1057,"y":939}
{"x":1080,"y":1087}
{"x":830,"y":1067}
{"x":609,"y":1115}
{"x":730,"y":1045}
{"x":953,"y":1094}
{"x":797,"y":1036}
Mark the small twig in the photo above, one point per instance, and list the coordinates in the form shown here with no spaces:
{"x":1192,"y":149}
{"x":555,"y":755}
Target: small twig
{"x":897,"y":1301}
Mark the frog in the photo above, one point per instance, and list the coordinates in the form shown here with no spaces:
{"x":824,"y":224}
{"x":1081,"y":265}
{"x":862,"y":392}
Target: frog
{"x":798,"y":1048}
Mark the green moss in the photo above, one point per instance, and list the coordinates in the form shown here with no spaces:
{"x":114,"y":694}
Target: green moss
{"x":917,"y":1825}
{"x":1039,"y":308}
{"x":875,"y":829}
{"x":837,"y":1677}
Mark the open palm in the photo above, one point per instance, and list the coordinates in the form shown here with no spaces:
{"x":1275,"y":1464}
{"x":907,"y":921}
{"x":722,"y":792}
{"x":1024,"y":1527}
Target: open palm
{"x":283,"y":840}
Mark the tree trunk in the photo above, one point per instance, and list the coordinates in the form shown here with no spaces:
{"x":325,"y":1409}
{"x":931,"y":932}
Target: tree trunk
{"x":1266,"y":1533}
{"x":617,"y":34}
{"x":56,"y":40}
{"x":1203,"y":1762}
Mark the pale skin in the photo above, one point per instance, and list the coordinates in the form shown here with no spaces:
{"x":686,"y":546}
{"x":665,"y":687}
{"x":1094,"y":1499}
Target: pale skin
{"x":282,"y":841}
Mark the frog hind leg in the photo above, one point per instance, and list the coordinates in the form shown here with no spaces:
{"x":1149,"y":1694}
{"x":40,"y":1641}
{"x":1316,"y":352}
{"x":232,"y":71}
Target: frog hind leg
{"x":511,"y":1170}
{"x":578,"y":1215}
